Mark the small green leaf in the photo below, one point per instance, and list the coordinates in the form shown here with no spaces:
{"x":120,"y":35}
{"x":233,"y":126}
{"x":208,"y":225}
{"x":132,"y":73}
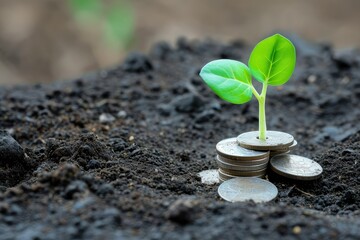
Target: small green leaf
{"x":92,"y":7}
{"x":120,"y":24}
{"x":229,"y":79}
{"x":273,"y":60}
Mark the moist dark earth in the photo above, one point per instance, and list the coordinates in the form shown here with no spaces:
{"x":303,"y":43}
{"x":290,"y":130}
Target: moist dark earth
{"x":115,"y":154}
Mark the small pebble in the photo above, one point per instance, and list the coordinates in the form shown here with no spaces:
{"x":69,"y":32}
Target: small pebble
{"x":75,"y":187}
{"x":312,"y":79}
{"x":93,"y":164}
{"x":296,"y":230}
{"x":121,"y":114}
{"x":182,"y":211}
{"x":137,"y":62}
{"x":106,"y":118}
{"x":10,"y":150}
{"x":209,"y":177}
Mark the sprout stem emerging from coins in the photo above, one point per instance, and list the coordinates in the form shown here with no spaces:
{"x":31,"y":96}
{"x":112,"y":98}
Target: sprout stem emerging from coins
{"x":272,"y":62}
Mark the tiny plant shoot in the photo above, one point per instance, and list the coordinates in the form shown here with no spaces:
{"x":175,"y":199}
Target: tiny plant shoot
{"x":271,"y":62}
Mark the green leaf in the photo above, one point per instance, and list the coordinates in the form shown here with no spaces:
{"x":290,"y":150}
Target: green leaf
{"x":120,"y":24}
{"x":229,"y":79}
{"x":86,"y":6}
{"x":273,"y":60}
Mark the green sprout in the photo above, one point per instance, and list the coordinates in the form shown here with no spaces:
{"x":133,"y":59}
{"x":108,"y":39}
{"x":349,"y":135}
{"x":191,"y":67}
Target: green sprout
{"x":271,"y":62}
{"x":116,"y":18}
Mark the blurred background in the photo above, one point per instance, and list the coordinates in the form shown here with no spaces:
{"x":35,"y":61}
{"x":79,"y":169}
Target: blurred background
{"x":46,"y":40}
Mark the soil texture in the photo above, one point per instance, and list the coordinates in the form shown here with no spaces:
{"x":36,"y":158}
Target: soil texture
{"x":115,"y":155}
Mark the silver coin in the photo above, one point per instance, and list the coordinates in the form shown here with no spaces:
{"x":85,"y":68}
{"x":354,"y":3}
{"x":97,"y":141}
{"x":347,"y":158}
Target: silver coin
{"x":272,"y":154}
{"x":280,"y":151}
{"x":230,"y":149}
{"x":243,"y":162}
{"x":296,"y":167}
{"x":241,"y":167}
{"x":274,"y":140}
{"x":293,"y":145}
{"x":236,"y":173}
{"x":224,"y":178}
{"x":285,"y":149}
{"x":247,"y":188}
{"x":225,"y":173}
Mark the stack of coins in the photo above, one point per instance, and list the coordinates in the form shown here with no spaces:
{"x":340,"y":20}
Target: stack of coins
{"x":236,"y":161}
{"x":276,"y":142}
{"x":242,"y":158}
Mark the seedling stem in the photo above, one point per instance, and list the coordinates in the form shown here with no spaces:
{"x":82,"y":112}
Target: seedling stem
{"x":271,"y":62}
{"x":262,"y":113}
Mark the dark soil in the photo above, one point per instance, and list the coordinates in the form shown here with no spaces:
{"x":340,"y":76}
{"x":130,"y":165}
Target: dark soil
{"x":115,"y":155}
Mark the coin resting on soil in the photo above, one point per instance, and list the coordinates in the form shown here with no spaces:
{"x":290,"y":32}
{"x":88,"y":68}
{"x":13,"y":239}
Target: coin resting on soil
{"x":296,"y":167}
{"x":236,"y":161}
{"x":247,"y":188}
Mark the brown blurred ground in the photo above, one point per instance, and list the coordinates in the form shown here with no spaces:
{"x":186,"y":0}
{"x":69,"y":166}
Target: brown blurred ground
{"x":40,"y":40}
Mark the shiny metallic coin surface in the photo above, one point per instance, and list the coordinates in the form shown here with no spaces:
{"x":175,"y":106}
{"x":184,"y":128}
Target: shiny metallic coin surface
{"x":285,"y":149}
{"x":247,"y":188}
{"x":292,"y":146}
{"x":229,"y":148}
{"x":240,"y":167}
{"x":295,"y":167}
{"x":226,"y":174}
{"x":272,"y":154}
{"x":274,"y":140}
{"x":280,"y":151}
{"x":243,"y":162}
{"x":224,"y":178}
{"x":235,"y":173}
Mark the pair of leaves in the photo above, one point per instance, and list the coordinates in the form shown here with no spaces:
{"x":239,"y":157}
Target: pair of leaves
{"x":272,"y":61}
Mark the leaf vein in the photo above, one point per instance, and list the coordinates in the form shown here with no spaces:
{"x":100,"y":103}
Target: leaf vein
{"x":279,"y":72}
